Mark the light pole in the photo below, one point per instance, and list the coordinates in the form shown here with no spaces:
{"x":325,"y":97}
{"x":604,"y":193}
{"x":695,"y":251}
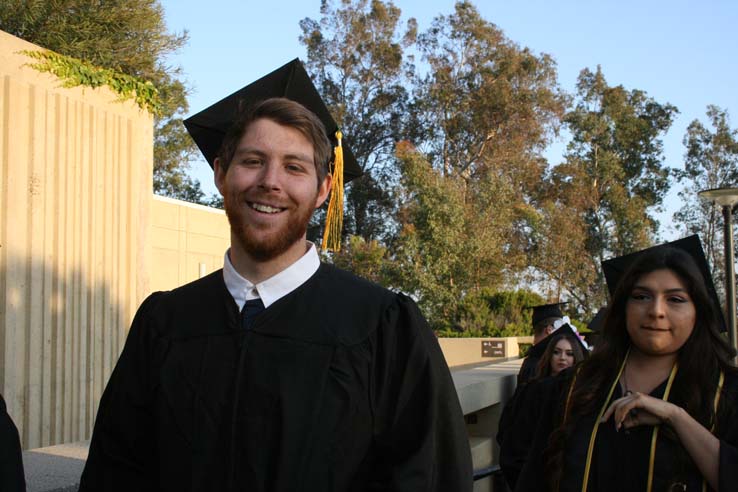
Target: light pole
{"x":727,"y":198}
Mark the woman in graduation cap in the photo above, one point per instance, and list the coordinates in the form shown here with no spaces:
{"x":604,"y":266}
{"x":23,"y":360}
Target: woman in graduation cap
{"x":563,"y":349}
{"x":654,"y":407}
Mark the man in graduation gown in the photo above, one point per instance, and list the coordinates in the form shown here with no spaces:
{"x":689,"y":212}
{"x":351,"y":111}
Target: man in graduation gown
{"x":278,"y":372}
{"x":544,"y":318}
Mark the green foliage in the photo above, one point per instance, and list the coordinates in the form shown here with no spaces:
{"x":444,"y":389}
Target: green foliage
{"x":74,"y":72}
{"x":617,"y":156}
{"x":523,"y":349}
{"x":365,"y":258}
{"x":490,"y":106}
{"x":512,"y":309}
{"x":486,"y":110}
{"x":601,"y":199}
{"x":437,"y":254}
{"x":452,"y":158}
{"x":487,"y":313}
{"x":355,"y":54}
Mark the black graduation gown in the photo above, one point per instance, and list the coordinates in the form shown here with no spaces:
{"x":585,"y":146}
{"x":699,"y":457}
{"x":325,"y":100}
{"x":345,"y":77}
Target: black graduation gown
{"x":530,"y":363}
{"x":517,"y":426}
{"x":338,"y":386}
{"x":12,"y":478}
{"x":620,"y":459}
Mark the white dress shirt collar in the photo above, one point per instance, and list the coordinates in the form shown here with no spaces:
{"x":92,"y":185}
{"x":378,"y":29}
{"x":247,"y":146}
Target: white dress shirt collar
{"x":275,"y":287}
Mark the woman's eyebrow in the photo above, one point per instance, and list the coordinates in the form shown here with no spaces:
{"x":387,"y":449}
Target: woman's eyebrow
{"x":667,"y":291}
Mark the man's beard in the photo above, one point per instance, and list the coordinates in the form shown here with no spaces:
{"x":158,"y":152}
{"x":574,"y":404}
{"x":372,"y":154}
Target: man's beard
{"x":257,"y":245}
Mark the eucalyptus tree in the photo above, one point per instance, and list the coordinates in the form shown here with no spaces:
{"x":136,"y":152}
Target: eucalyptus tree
{"x":356,"y":55}
{"x":710,"y":161}
{"x":490,"y":107}
{"x":483,"y":111}
{"x":610,"y":184}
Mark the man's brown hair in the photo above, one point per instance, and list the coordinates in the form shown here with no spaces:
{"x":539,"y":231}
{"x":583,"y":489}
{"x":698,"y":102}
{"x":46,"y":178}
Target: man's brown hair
{"x":285,"y":112}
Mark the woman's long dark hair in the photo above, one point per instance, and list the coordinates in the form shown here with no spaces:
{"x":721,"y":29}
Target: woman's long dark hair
{"x":543,"y":368}
{"x":705,"y":353}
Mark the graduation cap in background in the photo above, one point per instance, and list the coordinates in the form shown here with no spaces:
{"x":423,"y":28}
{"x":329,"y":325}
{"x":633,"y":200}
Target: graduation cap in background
{"x":598,"y":322}
{"x":595,"y":327}
{"x":538,"y":349}
{"x":615,"y":268}
{"x":546,"y":311}
{"x":208,"y":128}
{"x":567,"y":329}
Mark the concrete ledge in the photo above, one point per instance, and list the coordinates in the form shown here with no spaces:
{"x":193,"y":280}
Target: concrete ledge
{"x":55,"y":468}
{"x":483,"y":387}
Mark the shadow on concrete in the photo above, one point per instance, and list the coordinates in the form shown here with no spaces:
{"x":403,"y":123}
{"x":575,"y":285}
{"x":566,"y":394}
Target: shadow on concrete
{"x":61,"y":332}
{"x":55,"y":468}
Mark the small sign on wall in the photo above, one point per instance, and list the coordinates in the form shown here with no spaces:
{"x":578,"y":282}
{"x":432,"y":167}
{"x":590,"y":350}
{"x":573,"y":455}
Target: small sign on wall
{"x":493,"y":348}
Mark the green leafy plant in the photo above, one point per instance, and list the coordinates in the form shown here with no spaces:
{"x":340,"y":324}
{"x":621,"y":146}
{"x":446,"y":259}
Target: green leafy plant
{"x":74,"y":72}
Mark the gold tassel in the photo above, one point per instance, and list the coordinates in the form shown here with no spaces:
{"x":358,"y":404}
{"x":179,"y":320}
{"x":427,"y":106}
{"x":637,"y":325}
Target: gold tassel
{"x":334,"y":216}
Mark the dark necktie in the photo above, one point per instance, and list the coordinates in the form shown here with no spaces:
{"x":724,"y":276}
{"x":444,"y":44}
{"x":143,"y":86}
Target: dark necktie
{"x":249,"y":312}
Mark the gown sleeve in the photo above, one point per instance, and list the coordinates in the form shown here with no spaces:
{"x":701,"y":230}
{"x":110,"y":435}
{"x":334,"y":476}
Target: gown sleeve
{"x":12,"y":478}
{"x":527,"y":369}
{"x":122,"y":449}
{"x":419,"y":426}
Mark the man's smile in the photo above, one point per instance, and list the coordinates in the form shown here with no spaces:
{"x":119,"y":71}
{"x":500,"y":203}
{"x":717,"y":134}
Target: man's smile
{"x":264,"y":208}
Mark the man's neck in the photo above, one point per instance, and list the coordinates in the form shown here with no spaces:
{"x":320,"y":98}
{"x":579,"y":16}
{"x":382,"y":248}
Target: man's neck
{"x":256,"y":271}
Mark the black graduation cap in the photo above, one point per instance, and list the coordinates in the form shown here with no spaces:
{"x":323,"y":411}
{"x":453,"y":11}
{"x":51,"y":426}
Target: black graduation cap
{"x":566,"y":329}
{"x":615,"y":268}
{"x":596,"y":324}
{"x":538,"y":349}
{"x":209,"y":126}
{"x":546,"y":311}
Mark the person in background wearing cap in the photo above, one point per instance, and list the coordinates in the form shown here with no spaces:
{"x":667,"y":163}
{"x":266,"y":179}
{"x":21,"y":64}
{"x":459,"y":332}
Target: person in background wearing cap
{"x":322,"y":382}
{"x":544,"y":318}
{"x":564,"y":351}
{"x":654,"y":407}
{"x":516,"y":430}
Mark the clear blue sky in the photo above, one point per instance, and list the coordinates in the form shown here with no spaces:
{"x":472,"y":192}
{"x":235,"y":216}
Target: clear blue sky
{"x":677,"y":51}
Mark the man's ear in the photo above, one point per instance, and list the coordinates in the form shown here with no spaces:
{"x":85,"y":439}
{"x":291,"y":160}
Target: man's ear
{"x":324,"y":190}
{"x":219,"y":175}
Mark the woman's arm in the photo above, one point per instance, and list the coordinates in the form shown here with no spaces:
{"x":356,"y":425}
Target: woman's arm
{"x":640,"y":409}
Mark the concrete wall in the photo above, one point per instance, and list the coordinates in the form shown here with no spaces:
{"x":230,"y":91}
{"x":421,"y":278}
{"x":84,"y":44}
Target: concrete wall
{"x":188,"y":241}
{"x":75,"y":191}
{"x":462,"y":351}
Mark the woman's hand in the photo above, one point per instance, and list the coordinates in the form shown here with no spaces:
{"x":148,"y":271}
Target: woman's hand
{"x":640,"y":409}
{"x":637,"y":409}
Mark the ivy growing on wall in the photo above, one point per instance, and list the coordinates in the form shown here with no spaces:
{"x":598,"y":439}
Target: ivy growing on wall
{"x":74,"y":72}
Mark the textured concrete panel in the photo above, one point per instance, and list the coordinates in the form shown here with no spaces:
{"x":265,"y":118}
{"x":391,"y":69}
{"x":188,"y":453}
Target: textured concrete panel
{"x":75,"y":190}
{"x":191,"y":236}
